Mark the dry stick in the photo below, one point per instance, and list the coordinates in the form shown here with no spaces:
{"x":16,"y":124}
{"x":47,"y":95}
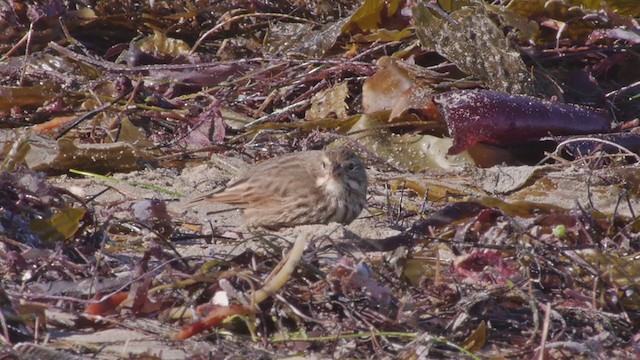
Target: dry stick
{"x":374,"y":49}
{"x":276,"y":113}
{"x":633,"y":213}
{"x":404,"y":184}
{"x":164,"y":240}
{"x":299,"y":312}
{"x":136,"y":69}
{"x":301,"y":102}
{"x":17,"y":244}
{"x":545,"y":330}
{"x":279,"y":62}
{"x":285,"y":269}
{"x":320,"y":86}
{"x":622,"y":89}
{"x":93,"y":301}
{"x":117,"y":68}
{"x":279,"y":111}
{"x":89,"y":115}
{"x":606,"y":142}
{"x":433,"y":5}
{"x":17,"y":151}
{"x":589,"y":193}
{"x":5,"y":329}
{"x":533,"y":306}
{"x":26,"y":54}
{"x":66,"y":33}
{"x":239,"y":17}
{"x":14,"y":48}
{"x":614,"y":214}
{"x":254,"y":74}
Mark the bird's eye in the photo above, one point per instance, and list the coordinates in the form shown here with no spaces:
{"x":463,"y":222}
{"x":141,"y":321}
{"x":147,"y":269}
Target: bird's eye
{"x":351,"y":166}
{"x":324,"y":165}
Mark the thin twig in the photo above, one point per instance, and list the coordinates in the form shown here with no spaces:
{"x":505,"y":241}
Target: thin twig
{"x":276,"y":113}
{"x":26,"y":54}
{"x":243,"y":16}
{"x":545,"y":330}
{"x":622,"y":89}
{"x":560,"y":146}
{"x":88,"y":115}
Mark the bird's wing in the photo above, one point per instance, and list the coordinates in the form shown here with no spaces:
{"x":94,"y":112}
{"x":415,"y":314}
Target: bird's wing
{"x":254,"y":188}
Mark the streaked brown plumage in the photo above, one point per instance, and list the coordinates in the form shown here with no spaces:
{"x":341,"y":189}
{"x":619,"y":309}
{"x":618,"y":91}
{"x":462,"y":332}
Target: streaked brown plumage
{"x":309,"y":187}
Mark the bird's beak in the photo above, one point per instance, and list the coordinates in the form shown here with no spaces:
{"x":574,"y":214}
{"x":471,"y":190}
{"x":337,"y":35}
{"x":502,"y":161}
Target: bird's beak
{"x":336,"y":170}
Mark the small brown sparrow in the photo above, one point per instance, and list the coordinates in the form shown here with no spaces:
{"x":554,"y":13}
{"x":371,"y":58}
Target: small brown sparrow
{"x":309,"y":187}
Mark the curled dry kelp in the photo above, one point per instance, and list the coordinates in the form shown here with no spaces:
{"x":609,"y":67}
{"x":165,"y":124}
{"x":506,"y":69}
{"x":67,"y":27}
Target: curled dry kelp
{"x":474,"y":116}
